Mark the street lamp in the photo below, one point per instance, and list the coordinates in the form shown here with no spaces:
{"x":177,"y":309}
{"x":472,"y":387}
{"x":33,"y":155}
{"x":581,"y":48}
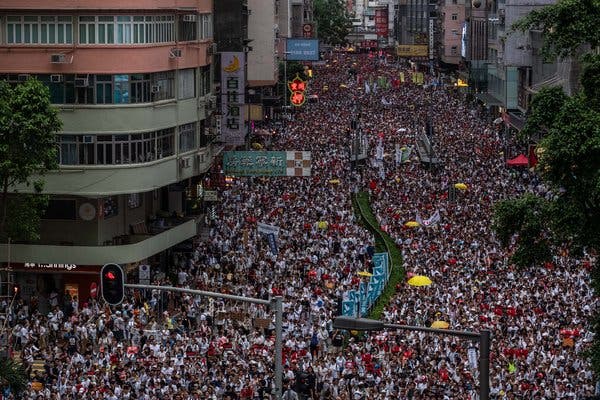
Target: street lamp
{"x":364,"y":324}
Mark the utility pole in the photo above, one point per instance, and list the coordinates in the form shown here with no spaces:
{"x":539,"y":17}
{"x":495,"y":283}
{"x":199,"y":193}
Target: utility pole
{"x":275,"y":304}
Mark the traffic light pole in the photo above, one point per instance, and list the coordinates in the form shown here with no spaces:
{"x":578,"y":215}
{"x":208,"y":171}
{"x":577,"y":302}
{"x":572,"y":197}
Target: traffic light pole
{"x":275,"y":303}
{"x":483,"y":337}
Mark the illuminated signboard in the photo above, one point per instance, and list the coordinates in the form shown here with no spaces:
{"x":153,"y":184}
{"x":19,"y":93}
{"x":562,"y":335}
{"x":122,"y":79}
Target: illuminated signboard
{"x":232,"y":91}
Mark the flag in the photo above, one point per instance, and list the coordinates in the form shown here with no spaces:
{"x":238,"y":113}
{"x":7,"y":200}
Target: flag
{"x":419,"y":219}
{"x":405,"y":153}
{"x":434,"y":219}
{"x":402,"y":77}
{"x":367,"y":88}
{"x":398,"y":157}
{"x":379,"y":150}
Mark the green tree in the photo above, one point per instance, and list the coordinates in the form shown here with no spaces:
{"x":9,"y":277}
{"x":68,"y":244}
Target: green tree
{"x":565,"y":26}
{"x":569,"y":151}
{"x":28,"y":126}
{"x":12,"y":376}
{"x":333,"y":21}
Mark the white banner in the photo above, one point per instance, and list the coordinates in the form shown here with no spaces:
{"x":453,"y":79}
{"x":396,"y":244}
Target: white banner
{"x":267,"y":229}
{"x":233,"y":84}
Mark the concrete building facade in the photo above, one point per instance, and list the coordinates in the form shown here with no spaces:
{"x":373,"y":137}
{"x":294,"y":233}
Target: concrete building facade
{"x":132,"y":81}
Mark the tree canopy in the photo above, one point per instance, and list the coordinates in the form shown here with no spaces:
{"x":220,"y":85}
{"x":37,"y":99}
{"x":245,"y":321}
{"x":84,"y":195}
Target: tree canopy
{"x":565,"y":26}
{"x":28,"y":126}
{"x":333,"y":21}
{"x":568,"y":216}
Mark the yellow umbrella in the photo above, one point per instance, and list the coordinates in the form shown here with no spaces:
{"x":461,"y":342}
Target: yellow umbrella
{"x":334,"y":181}
{"x":440,"y":325}
{"x":343,"y":86}
{"x":322,"y":224}
{"x":419,"y":280}
{"x":461,"y":186}
{"x":365,"y":273}
{"x":257,"y":146}
{"x":411,"y":224}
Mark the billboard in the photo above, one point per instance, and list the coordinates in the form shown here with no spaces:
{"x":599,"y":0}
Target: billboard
{"x":411,"y":50}
{"x":267,"y":163}
{"x":381,"y":22}
{"x":302,"y":49}
{"x":233,"y":84}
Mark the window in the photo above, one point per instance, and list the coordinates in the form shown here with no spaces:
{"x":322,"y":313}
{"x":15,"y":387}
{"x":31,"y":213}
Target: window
{"x":126,"y":29}
{"x":204,"y":81}
{"x":455,"y":32}
{"x":115,"y":149}
{"x":61,"y":209}
{"x":134,"y":200}
{"x":106,"y":30}
{"x":165,"y":142}
{"x":187,"y":137}
{"x":206,"y":26}
{"x":163,"y":86}
{"x":39,"y":30}
{"x":67,"y":150}
{"x":104,"y":89}
{"x":140,"y":88}
{"x":109,"y":207}
{"x":121,"y":89}
{"x":454,"y":50}
{"x":112,"y":89}
{"x":186,"y":83}
{"x":454,"y":17}
{"x":188,"y":30}
{"x":87,"y":30}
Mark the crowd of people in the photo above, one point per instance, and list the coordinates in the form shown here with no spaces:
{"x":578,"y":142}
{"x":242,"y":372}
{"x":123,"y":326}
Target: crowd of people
{"x":159,"y":345}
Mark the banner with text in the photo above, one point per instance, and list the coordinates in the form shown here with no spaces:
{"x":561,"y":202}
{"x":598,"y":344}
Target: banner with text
{"x":233,"y":84}
{"x":267,"y":163}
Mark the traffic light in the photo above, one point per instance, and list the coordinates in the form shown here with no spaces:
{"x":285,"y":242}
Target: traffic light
{"x":112,"y":284}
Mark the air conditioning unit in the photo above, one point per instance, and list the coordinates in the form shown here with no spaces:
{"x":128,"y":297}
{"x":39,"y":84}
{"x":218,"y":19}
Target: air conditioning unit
{"x":155,"y":89}
{"x":57,"y":78}
{"x":189,"y":18}
{"x":58,"y":58}
{"x":81,"y":82}
{"x":88,"y":138}
{"x":211,"y":49}
{"x":175,"y":53}
{"x":23,"y":77}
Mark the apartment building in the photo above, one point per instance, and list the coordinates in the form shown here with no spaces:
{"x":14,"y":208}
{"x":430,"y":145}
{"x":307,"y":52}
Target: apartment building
{"x":132,"y":81}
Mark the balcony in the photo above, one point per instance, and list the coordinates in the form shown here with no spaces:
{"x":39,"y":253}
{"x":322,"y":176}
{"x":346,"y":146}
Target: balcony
{"x":140,"y":247}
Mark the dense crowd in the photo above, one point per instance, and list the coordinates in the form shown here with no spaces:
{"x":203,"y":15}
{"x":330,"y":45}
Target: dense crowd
{"x":159,"y":345}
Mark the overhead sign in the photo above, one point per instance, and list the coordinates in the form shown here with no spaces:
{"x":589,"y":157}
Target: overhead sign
{"x":233,"y":84}
{"x":431,"y":42}
{"x":411,"y":50}
{"x":381,"y":22}
{"x":302,"y":49}
{"x":267,"y":163}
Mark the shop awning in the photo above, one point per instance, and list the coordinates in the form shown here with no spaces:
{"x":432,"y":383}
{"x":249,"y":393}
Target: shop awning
{"x":488,"y":99}
{"x":519,"y":161}
{"x":553,"y":80}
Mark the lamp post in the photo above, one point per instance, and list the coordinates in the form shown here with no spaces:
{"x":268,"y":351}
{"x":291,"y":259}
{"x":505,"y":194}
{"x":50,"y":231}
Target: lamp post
{"x":285,"y":82}
{"x":483,"y":337}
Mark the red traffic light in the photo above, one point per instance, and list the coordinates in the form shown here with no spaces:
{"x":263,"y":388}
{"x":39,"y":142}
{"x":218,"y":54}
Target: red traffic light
{"x":297,"y":98}
{"x":112,"y":283}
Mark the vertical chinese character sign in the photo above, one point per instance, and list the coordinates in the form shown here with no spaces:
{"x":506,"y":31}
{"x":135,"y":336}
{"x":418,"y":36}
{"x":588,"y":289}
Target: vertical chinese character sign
{"x":233,"y":84}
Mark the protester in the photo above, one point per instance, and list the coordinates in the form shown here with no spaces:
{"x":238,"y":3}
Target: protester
{"x":165,"y":346}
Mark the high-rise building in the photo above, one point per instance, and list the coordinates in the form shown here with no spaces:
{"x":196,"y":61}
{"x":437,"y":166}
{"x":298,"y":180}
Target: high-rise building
{"x":132,"y":81}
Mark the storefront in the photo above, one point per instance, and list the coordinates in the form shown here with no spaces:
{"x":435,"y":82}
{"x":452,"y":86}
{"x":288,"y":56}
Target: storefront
{"x":56,"y":283}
